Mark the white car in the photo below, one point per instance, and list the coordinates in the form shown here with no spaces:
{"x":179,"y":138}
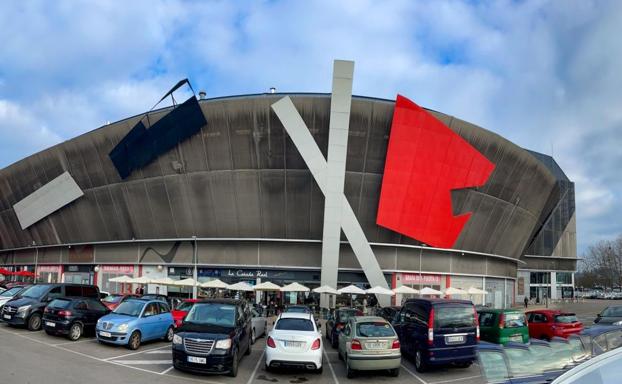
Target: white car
{"x":9,"y":294}
{"x":258,"y":326}
{"x":295,"y":341}
{"x":603,"y":369}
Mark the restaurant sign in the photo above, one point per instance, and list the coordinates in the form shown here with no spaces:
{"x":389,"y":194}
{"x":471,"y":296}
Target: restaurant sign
{"x":416,"y":278}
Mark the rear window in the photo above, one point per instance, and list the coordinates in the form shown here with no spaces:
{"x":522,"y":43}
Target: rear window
{"x":374,"y":329}
{"x":453,"y":317}
{"x":344,"y":315}
{"x":58,"y":303}
{"x":113,"y":299}
{"x":514,"y":320}
{"x":566,"y":318}
{"x":185,"y":306}
{"x":290,"y":324}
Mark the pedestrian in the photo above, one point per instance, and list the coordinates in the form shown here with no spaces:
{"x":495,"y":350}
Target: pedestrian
{"x":526,"y":302}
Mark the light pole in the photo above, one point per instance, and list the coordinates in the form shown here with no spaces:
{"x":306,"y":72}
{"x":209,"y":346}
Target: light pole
{"x":195,"y":272}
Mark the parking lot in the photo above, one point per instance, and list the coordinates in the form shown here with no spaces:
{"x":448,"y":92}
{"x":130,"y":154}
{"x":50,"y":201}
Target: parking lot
{"x":28,"y":357}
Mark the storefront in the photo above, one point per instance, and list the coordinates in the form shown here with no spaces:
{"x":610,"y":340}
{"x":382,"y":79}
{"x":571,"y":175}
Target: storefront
{"x":79,"y":274}
{"x":107,"y":272}
{"x":49,"y":273}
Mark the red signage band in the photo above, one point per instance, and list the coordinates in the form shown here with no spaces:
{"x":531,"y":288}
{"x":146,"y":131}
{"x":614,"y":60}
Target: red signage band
{"x":117,"y":269}
{"x":415,"y":278}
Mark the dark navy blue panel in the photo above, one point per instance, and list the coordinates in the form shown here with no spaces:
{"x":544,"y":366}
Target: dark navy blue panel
{"x":141,"y":146}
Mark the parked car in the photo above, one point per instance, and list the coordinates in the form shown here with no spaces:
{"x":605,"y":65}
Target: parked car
{"x":27,"y":308}
{"x":610,"y":315}
{"x":369,"y":343}
{"x":525,"y":363}
{"x":72,"y":316}
{"x":336,"y":321}
{"x":298,"y":309}
{"x":296,"y":342}
{"x":113,"y":301}
{"x":213,"y":338}
{"x":438,"y":331}
{"x":503,"y":325}
{"x":182,"y":310}
{"x":603,"y":369}
{"x":495,"y":366}
{"x":2,"y":289}
{"x":548,"y":323}
{"x":9,"y":294}
{"x":135,"y":321}
{"x":259,"y":325}
{"x":388,"y":313}
{"x":601,"y":338}
{"x":545,"y":358}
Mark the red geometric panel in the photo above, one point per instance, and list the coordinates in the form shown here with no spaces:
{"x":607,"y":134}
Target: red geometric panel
{"x":425,"y":161}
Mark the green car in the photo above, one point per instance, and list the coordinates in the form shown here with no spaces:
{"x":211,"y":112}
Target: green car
{"x":501,"y":326}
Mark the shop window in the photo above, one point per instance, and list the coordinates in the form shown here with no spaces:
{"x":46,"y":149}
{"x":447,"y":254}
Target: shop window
{"x":564,"y":277}
{"x":540,"y":278}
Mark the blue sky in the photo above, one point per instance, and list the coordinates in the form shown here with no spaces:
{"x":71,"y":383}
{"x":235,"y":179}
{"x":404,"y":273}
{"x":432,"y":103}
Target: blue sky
{"x":544,"y":74}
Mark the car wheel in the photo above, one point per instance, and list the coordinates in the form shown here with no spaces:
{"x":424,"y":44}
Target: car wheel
{"x":169,"y":334}
{"x":349,"y":371}
{"x":34,"y":323}
{"x":134,"y":342}
{"x":419,"y":363}
{"x":75,"y":332}
{"x":395,"y":372}
{"x":253,"y":336}
{"x":333,"y":342}
{"x":233,"y":372}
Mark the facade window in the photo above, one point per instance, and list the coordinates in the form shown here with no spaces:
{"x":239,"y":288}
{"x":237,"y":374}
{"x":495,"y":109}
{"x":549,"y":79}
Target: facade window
{"x":564,"y":277}
{"x":540,"y":278}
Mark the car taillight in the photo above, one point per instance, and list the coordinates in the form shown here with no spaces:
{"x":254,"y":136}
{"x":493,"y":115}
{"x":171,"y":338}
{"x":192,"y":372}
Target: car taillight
{"x":431,"y":327}
{"x":396,"y":344}
{"x":316,"y":344}
{"x":476,"y":324}
{"x":64,"y":313}
{"x":270,"y":342}
{"x":356,"y":345}
{"x":502,"y":321}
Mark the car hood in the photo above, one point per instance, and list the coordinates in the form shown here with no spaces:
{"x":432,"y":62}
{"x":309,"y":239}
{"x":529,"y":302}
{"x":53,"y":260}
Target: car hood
{"x":5,"y":299}
{"x":608,"y":320}
{"x":18,"y":302}
{"x":204,"y":331}
{"x":117,"y":319}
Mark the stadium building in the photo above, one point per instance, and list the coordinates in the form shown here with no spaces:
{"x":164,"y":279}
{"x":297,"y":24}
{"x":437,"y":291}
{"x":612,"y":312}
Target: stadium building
{"x":217,"y":188}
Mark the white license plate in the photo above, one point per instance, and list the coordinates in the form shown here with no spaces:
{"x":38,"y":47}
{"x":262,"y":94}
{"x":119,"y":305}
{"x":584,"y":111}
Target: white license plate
{"x":8,"y":317}
{"x":518,"y":338}
{"x":454,"y":339}
{"x":105,"y":334}
{"x":50,"y":324}
{"x":375,"y":345}
{"x":292,"y":344}
{"x":197,"y":360}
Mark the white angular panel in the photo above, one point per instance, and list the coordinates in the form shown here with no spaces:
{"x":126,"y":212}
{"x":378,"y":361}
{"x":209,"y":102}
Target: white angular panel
{"x":47,"y":199}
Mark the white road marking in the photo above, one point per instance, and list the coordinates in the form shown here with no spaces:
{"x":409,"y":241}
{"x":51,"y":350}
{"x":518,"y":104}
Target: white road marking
{"x":250,"y":380}
{"x":414,"y":375}
{"x":135,"y":353}
{"x":142,"y":362}
{"x":166,"y":371}
{"x":76,"y":342}
{"x":454,"y":380}
{"x":158,"y":351}
{"x":331,"y":368}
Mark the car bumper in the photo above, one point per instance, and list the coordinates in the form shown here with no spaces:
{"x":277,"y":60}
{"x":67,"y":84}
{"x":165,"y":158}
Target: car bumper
{"x":58,"y":327}
{"x":372,"y":363}
{"x":275,"y":358}
{"x":118,"y":338}
{"x":18,"y":318}
{"x":213,"y":363}
{"x":438,"y":356}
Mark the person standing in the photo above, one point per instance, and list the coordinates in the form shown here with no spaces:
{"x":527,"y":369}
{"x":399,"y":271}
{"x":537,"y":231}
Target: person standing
{"x":526,"y":302}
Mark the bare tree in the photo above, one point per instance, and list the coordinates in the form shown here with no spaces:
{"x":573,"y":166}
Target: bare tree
{"x":602,"y":264}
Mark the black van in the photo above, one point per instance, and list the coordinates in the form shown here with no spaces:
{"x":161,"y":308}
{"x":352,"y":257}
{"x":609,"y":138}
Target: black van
{"x":28,"y":308}
{"x":438,"y":331}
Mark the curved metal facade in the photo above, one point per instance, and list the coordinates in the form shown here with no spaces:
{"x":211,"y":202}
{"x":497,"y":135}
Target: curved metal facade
{"x":242,"y":177}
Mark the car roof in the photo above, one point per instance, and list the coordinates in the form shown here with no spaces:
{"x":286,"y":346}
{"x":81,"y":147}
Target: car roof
{"x":361,"y":319}
{"x":599,"y":329}
{"x":498,"y":310}
{"x":439,"y":301}
{"x":546,"y":311}
{"x":222,"y":301}
{"x":513,"y":344}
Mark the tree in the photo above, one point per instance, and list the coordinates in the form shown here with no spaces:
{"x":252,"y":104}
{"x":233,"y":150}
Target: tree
{"x":602,"y":265}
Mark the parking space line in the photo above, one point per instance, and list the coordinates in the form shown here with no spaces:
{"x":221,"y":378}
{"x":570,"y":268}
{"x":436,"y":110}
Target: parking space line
{"x":157,"y":351}
{"x":250,"y":380}
{"x":76,"y":342}
{"x":143,"y":362}
{"x":167,"y":370}
{"x":454,"y":380}
{"x":135,"y":353}
{"x":413,"y":374}
{"x":332,"y":371}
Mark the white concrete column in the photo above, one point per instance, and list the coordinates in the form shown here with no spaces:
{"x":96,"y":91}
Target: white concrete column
{"x":554,"y":286}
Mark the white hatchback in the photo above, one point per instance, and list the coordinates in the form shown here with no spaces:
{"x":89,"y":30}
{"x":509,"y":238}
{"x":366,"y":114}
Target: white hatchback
{"x":295,"y":341}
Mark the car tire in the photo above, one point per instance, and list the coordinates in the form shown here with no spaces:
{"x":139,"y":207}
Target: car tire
{"x":319,"y":370}
{"x":253,"y":336}
{"x":339,"y":355}
{"x":333,"y":342}
{"x":34,"y":322}
{"x":134,"y":342}
{"x":350,"y":373}
{"x":49,"y":332}
{"x":233,"y":372}
{"x":464,"y":365}
{"x":169,"y":334}
{"x":420,"y":365}
{"x":75,"y":332}
{"x":395,"y":372}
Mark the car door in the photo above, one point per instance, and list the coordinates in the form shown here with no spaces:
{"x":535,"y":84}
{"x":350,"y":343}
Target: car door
{"x":96,"y":310}
{"x":408,"y":330}
{"x":486,"y":320}
{"x":242,"y":324}
{"x":165,"y":319}
{"x":149,"y":321}
{"x":81,"y":311}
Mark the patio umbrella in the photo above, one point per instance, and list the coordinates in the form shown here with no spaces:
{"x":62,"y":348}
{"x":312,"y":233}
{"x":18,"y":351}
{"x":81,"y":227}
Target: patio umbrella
{"x":121,"y":279}
{"x":430,"y":291}
{"x":141,"y":280}
{"x":215,"y":284}
{"x":5,"y":272}
{"x":163,"y":281}
{"x":351,"y":290}
{"x":189,"y":282}
{"x":378,"y":290}
{"x":266,"y":286}
{"x":295,"y":287}
{"x":326,"y":290}
{"x":455,"y":291}
{"x":476,"y":291}
{"x":241,"y":286}
{"x":405,"y":289}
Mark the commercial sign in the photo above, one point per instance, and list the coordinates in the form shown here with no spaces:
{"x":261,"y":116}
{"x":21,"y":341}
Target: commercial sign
{"x":48,"y":268}
{"x":119,"y":269}
{"x":416,"y":278}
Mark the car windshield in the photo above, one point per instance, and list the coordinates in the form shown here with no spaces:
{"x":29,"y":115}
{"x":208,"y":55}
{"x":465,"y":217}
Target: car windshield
{"x":514,"y":320}
{"x":344,"y":314}
{"x":294,"y":324}
{"x":36,"y":291}
{"x":60,"y":303}
{"x":566,"y":318}
{"x":521,"y":361}
{"x":213,"y":314}
{"x":112,"y":299}
{"x":297,"y":310}
{"x":494,"y":366}
{"x":11,"y":292}
{"x":130,"y":308}
{"x":612,"y":312}
{"x":544,"y":358}
{"x":185,"y":306}
{"x":374,"y":329}
{"x":453,"y":317}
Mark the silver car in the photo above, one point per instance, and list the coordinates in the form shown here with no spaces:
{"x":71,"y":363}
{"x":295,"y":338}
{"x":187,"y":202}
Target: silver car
{"x":258,"y":326}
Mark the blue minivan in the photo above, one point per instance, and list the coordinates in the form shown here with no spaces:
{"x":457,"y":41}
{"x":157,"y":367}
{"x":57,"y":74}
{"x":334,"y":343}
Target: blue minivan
{"x":438,"y":331}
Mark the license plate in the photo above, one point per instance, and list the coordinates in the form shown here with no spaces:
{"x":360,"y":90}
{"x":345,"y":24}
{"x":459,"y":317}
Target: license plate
{"x":375,"y":345}
{"x":197,"y":360}
{"x":105,"y":334}
{"x":292,"y":344}
{"x":8,"y":317}
{"x":454,"y":339}
{"x":50,"y":324}
{"x":516,"y":338}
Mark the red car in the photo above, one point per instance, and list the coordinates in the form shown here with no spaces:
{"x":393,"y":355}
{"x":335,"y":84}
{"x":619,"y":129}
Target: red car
{"x":112,"y":301}
{"x":547,"y":323}
{"x":182,"y":310}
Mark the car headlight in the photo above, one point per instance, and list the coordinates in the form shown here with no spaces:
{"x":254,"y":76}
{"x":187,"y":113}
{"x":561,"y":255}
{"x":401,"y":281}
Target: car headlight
{"x":23,"y":308}
{"x":122,"y":327}
{"x":618,"y":323}
{"x":223,"y":344}
{"x":177,"y":339}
